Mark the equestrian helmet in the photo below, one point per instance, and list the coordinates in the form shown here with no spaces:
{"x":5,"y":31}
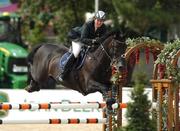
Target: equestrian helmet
{"x":101,"y":15}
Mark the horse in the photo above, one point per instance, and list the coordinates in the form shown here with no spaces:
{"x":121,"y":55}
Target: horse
{"x":93,"y":76}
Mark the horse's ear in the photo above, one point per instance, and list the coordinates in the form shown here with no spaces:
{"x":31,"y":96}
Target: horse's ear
{"x":112,"y":32}
{"x":115,"y":33}
{"x":120,"y":34}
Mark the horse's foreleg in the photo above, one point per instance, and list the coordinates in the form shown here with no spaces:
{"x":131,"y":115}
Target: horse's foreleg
{"x":94,"y":86}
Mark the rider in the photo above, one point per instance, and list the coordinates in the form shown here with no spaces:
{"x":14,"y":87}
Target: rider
{"x":90,"y":35}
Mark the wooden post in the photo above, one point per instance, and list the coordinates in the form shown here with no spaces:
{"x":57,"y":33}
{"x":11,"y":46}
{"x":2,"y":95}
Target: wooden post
{"x":161,"y":86}
{"x":176,"y":109}
{"x":170,"y":106}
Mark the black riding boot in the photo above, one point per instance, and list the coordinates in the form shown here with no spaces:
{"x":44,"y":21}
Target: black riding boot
{"x":67,"y":67}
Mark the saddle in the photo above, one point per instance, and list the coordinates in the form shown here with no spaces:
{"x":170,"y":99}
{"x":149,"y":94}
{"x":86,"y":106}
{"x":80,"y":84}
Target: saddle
{"x":78,"y":62}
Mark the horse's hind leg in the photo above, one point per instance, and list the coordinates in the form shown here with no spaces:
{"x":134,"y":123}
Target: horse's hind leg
{"x":33,"y":86}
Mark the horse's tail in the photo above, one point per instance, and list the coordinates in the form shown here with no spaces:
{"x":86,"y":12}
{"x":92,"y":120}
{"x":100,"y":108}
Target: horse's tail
{"x":29,"y":60}
{"x":32,"y":53}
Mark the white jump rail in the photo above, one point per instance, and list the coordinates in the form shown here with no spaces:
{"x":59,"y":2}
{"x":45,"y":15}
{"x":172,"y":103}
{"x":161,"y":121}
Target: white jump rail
{"x":58,"y":105}
{"x":56,"y":121}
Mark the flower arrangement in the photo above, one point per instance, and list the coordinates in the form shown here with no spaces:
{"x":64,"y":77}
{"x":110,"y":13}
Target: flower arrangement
{"x":165,"y":58}
{"x":146,"y":40}
{"x":149,"y":45}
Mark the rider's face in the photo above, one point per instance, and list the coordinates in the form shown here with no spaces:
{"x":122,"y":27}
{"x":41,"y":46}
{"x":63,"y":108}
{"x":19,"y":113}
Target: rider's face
{"x":98,"y":23}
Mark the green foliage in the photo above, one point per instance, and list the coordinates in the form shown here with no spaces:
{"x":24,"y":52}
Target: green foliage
{"x":141,"y":14}
{"x":65,"y":25}
{"x":60,"y":15}
{"x":3,"y":98}
{"x":35,"y":36}
{"x":140,"y":40}
{"x":138,"y":111}
{"x":165,"y":57}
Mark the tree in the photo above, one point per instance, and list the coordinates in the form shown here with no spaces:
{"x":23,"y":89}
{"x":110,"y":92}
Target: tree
{"x":142,"y":14}
{"x":61,"y":15}
{"x":138,"y":111}
{"x":66,"y":14}
{"x":138,"y":15}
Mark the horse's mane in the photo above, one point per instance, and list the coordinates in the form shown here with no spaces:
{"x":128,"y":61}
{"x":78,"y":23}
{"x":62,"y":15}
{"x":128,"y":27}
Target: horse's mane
{"x":104,"y":40}
{"x":107,"y":35}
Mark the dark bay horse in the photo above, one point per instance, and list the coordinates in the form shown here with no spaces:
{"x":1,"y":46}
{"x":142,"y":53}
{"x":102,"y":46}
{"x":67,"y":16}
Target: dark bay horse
{"x":93,"y":76}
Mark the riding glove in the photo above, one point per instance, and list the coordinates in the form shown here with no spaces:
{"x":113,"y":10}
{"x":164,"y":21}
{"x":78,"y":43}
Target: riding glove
{"x":96,"y":41}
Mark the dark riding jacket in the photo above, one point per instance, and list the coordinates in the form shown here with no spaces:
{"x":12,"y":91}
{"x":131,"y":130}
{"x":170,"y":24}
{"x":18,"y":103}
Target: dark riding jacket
{"x":88,"y":32}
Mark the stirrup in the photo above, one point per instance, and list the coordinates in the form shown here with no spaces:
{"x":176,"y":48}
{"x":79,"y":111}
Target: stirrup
{"x":61,"y":78}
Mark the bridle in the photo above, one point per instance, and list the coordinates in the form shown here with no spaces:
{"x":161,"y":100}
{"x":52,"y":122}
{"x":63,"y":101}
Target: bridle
{"x":104,"y":50}
{"x":112,"y":59}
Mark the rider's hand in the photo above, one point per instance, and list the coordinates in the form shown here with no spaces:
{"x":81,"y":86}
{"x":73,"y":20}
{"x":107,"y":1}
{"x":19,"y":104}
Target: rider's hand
{"x":96,"y":41}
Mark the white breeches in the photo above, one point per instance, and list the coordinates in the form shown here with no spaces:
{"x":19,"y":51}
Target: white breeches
{"x":76,"y":48}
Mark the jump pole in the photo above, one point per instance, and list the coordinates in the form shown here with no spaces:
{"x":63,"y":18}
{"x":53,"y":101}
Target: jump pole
{"x":55,"y":121}
{"x":28,"y":106}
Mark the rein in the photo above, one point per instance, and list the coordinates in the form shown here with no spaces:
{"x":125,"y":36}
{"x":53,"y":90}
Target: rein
{"x":103,"y":49}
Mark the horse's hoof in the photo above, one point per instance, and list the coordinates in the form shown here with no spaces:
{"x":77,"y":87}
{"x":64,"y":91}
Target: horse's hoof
{"x":110,"y":102}
{"x":30,"y":89}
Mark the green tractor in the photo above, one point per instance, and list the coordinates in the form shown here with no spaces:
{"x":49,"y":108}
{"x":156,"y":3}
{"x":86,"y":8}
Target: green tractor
{"x":13,"y":53}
